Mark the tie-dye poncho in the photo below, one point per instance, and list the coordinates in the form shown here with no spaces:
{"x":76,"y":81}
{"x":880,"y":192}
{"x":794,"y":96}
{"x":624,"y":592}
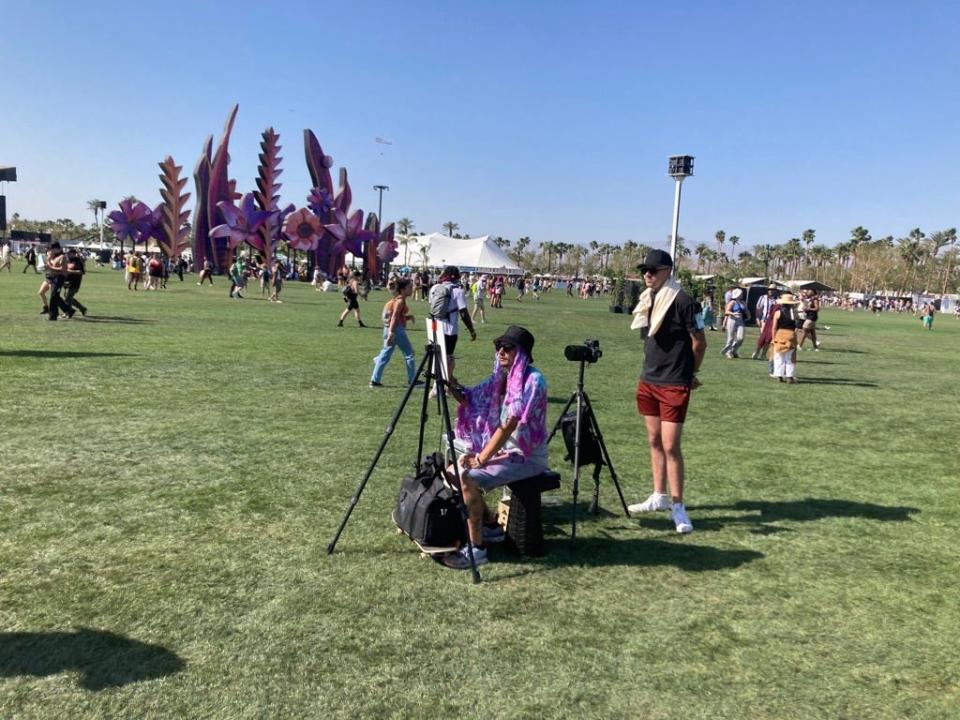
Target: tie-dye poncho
{"x":521,"y":393}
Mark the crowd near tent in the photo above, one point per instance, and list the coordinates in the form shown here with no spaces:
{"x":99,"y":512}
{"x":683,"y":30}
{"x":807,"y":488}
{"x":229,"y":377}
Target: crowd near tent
{"x":472,"y":254}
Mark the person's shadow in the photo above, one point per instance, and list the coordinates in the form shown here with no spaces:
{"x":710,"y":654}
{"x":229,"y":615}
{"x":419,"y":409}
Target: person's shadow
{"x":592,"y":551}
{"x":765,"y":513}
{"x":104,"y":659}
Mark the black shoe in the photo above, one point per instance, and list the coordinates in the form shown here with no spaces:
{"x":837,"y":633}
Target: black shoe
{"x":375,"y":384}
{"x":45,"y":311}
{"x":361,"y":324}
{"x":340,"y":324}
{"x":83,"y":311}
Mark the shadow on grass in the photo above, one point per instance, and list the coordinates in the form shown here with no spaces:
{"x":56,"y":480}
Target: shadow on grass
{"x":806,"y":510}
{"x":117,"y":319}
{"x":849,"y":382}
{"x":104,"y":659}
{"x":61,"y":354}
{"x":844,"y":350}
{"x":641,"y":552}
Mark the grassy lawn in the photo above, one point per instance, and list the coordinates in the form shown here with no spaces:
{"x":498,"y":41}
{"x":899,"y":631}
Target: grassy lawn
{"x":175,"y":465}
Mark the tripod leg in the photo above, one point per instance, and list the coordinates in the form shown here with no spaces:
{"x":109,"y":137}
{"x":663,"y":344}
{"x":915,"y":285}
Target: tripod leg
{"x":428,"y":376}
{"x":606,"y":456}
{"x":373,"y":463}
{"x":448,"y":428}
{"x":576,"y":457}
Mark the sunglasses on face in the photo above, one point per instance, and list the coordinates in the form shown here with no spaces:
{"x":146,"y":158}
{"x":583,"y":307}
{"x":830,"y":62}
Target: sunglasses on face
{"x":505,"y":347}
{"x":651,"y":271}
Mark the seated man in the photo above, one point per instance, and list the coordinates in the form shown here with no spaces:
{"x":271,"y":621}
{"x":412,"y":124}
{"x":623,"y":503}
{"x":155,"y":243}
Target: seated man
{"x":502,"y":432}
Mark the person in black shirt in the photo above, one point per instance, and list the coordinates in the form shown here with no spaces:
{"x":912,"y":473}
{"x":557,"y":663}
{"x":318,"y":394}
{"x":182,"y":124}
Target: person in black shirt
{"x":31,"y":258}
{"x":76,"y":269}
{"x":674,"y":345}
{"x":56,"y":270}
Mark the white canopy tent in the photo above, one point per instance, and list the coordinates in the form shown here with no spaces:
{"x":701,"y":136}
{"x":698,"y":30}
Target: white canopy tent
{"x":473,"y":254}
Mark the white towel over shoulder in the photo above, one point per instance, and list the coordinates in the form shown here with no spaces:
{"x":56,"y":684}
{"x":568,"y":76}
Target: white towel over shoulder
{"x":664,"y":299}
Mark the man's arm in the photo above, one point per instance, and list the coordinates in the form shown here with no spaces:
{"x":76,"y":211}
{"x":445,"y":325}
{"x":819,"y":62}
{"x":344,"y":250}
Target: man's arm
{"x":699,"y":341}
{"x":494,"y":444}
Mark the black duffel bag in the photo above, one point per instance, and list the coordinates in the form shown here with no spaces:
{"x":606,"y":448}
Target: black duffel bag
{"x":427,"y":510}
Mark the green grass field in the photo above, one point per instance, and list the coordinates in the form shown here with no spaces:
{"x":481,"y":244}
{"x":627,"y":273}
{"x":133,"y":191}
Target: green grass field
{"x":174,"y":466}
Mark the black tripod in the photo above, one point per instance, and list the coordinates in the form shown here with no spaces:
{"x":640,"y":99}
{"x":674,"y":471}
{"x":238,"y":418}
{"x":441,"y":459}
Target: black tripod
{"x":431,"y":369}
{"x":601,"y":456}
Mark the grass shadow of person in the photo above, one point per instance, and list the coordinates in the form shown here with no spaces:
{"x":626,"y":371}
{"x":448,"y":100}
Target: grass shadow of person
{"x":117,"y":319}
{"x":846,"y":382}
{"x":104,"y":659}
{"x":61,"y":354}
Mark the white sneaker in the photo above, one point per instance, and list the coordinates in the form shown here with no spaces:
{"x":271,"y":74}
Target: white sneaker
{"x":656,"y":501}
{"x":681,"y":519}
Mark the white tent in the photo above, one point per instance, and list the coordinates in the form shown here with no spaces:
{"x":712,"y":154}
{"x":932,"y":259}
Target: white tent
{"x":437,"y":250}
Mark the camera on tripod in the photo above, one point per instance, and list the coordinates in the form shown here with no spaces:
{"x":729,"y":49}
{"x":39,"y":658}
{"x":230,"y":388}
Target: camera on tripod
{"x":589,"y":352}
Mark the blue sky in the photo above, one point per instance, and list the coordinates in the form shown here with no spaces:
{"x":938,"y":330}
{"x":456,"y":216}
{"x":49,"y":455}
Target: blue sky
{"x":547,"y":119}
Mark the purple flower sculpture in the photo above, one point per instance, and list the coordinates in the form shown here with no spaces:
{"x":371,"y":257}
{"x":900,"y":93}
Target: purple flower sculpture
{"x":241,"y":223}
{"x":320,"y":201}
{"x":349,"y":232}
{"x":131,"y":221}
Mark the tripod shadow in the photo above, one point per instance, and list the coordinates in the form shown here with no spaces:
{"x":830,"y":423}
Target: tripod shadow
{"x":104,"y":659}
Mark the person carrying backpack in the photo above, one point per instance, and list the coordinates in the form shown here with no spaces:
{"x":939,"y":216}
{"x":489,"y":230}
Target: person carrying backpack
{"x":448,"y":303}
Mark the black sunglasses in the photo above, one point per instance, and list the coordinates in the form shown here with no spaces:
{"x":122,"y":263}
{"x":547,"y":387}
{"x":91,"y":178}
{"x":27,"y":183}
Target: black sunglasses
{"x":650,"y":271}
{"x":509,"y":347}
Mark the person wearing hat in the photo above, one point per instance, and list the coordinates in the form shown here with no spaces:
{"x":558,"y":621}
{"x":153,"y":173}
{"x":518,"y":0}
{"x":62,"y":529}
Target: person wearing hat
{"x":501,"y":436}
{"x":674,"y":346}
{"x":734,"y":313}
{"x":785,"y":321}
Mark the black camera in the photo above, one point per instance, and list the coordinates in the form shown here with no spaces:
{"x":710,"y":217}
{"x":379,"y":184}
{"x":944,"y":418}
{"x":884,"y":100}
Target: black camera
{"x":588,"y":352}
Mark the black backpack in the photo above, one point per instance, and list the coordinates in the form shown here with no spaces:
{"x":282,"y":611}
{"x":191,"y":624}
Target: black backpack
{"x":427,"y":510}
{"x":590,"y":453}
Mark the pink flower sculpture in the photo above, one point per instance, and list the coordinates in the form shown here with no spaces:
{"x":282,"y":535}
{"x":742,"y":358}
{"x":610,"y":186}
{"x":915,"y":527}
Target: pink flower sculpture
{"x":304,"y":229}
{"x":241,"y":223}
{"x":349,"y":233}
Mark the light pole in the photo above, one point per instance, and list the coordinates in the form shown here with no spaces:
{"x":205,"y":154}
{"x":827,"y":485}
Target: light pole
{"x":380,"y":188}
{"x":681,"y":166}
{"x":101,"y":206}
{"x":7,"y":174}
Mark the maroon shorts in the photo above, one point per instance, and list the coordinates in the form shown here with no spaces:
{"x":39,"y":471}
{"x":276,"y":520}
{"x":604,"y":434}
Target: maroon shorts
{"x":667,"y":402}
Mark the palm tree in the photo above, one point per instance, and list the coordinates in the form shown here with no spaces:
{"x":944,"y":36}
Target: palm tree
{"x":451,"y":227}
{"x":720,"y":236}
{"x":94,"y":207}
{"x":547,"y":249}
{"x":518,"y":249}
{"x":733,"y":240}
{"x":950,"y":237}
{"x":404,"y":226}
{"x":701,"y":252}
{"x":561,"y":249}
{"x":501,"y":242}
{"x":808,"y":236}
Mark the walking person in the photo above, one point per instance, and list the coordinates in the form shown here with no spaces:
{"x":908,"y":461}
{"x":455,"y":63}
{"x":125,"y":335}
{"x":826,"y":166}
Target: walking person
{"x":56,"y":269}
{"x":76,"y":269}
{"x":5,"y":257}
{"x":31,"y":258}
{"x":237,"y":277}
{"x":276,"y":281}
{"x":674,"y":346}
{"x":206,"y":273}
{"x":351,"y":293}
{"x":811,"y":308}
{"x":785,"y":320}
{"x":734,"y":312}
{"x":927,"y":313}
{"x":396,"y":315}
{"x":134,"y":269}
{"x":456,"y":309}
{"x":479,"y":291}
{"x":762,"y":313}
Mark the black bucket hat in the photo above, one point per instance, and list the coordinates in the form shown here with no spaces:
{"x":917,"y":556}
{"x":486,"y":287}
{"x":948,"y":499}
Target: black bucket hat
{"x":517,"y":335}
{"x":655,"y":260}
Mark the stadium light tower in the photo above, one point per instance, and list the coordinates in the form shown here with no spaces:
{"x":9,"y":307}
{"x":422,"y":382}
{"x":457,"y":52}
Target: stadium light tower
{"x":380,"y":188}
{"x":681,"y":166}
{"x":7,"y":174}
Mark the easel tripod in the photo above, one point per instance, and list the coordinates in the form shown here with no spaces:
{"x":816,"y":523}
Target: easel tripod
{"x":585,"y":414}
{"x":431,"y":369}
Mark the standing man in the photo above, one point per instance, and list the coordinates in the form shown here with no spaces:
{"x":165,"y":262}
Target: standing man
{"x":674,"y":345}
{"x":5,"y":257}
{"x":56,"y":273}
{"x":456,"y":307}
